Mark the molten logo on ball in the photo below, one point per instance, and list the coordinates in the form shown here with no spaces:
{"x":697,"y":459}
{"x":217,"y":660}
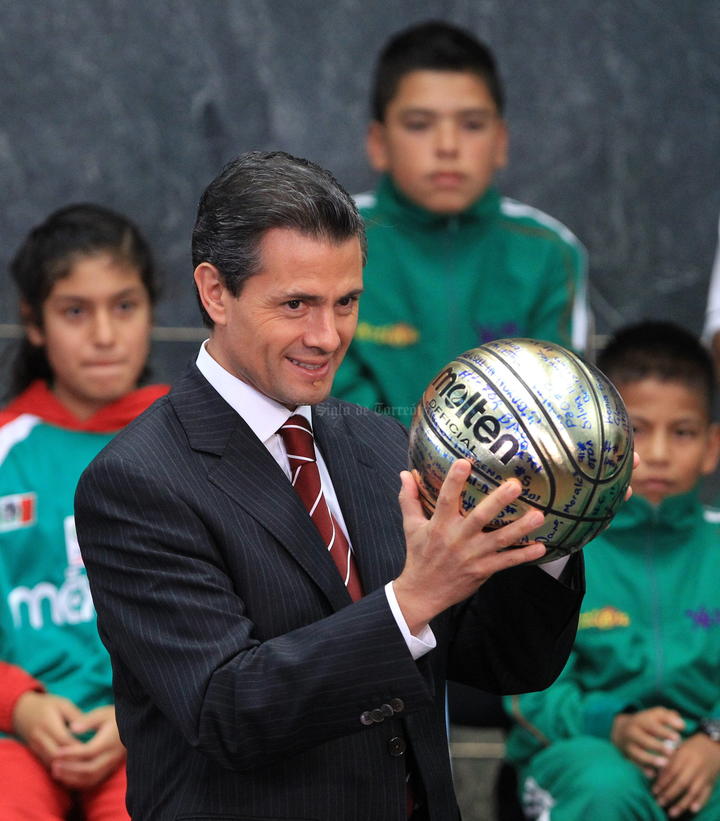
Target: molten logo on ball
{"x":519,"y":408}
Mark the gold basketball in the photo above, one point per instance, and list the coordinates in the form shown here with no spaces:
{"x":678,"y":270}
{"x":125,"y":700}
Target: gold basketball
{"x":536,"y":412}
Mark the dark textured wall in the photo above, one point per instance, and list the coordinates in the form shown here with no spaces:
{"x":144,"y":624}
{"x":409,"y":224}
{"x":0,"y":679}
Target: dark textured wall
{"x":614,"y":111}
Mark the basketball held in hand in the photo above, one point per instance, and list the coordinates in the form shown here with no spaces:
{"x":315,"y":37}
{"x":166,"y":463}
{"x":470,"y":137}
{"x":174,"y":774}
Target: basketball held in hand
{"x":535,"y":412}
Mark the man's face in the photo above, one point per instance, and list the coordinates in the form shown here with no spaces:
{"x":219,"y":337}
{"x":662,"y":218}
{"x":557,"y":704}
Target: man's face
{"x":676,"y":442}
{"x":442,"y":141}
{"x":287,"y":332}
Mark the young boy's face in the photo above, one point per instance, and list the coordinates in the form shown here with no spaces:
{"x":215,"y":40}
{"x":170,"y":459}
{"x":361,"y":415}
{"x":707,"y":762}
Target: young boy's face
{"x":673,"y":435}
{"x":442,"y":141}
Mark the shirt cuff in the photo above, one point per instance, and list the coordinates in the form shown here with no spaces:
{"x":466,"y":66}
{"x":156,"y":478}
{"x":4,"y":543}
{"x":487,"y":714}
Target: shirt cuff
{"x":417,"y":645}
{"x":556,"y":567}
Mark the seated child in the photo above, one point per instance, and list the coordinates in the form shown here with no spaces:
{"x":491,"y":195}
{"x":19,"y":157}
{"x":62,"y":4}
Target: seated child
{"x":631,"y":728}
{"x":86,"y":284}
{"x":451,"y":262}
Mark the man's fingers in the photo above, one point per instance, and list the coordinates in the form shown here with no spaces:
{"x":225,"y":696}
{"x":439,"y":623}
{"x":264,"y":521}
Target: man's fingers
{"x":488,"y":508}
{"x":491,"y":507}
{"x":448,"y":501}
{"x":514,"y":532}
{"x":520,"y":555}
{"x":409,"y":497}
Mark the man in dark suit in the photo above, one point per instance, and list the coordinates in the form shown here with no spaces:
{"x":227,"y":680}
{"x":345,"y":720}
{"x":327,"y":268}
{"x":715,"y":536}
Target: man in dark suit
{"x":254,"y":680}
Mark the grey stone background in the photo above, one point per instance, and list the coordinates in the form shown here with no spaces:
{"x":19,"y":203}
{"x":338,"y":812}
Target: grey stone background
{"x":613,"y":109}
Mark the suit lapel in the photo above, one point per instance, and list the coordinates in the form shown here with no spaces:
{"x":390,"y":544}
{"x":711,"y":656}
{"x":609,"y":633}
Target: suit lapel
{"x":249,"y":475}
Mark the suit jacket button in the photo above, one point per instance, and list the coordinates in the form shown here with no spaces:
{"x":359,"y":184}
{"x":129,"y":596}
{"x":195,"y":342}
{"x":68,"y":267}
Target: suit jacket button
{"x":377,"y":715}
{"x":366,"y":718}
{"x":397,"y":746}
{"x":397,"y":704}
{"x":387,"y":710}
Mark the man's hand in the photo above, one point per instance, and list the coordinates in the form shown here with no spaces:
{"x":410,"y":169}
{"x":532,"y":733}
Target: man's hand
{"x":81,"y":765}
{"x":647,"y":737}
{"x":41,"y":721}
{"x":687,"y":780}
{"x":450,"y":556}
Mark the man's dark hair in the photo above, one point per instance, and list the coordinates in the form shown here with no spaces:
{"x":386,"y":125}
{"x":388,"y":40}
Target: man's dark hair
{"x":259,"y":191}
{"x":431,"y":46}
{"x":48,"y":254}
{"x":659,"y":350}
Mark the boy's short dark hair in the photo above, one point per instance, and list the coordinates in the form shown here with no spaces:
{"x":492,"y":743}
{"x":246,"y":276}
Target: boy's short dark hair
{"x":659,"y":350}
{"x":431,"y":46}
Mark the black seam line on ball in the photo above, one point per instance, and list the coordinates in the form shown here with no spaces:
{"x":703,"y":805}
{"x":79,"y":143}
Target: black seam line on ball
{"x":589,"y":378}
{"x":460,"y":454}
{"x":548,"y":511}
{"x":581,"y":516}
{"x":595,"y":479}
{"x":454,"y":451}
{"x":560,"y":435}
{"x":628,"y":450}
{"x":543,"y":458}
{"x":445,"y":439}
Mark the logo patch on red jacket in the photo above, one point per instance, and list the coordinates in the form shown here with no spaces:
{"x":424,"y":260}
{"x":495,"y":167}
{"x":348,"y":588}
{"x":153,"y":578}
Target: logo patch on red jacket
{"x":17,"y":510}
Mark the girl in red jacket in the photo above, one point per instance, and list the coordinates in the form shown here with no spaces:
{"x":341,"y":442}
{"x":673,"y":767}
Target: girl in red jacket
{"x":87,"y":285}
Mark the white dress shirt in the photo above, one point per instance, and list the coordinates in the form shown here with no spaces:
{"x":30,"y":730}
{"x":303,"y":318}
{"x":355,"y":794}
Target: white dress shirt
{"x":265,"y":417}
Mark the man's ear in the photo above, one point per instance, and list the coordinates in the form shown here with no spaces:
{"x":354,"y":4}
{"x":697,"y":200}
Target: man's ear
{"x":376,"y":146}
{"x":33,"y":331}
{"x":212,"y":291}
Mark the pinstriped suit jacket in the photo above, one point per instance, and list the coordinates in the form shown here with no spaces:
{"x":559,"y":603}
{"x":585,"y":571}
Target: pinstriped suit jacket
{"x":241,"y":667}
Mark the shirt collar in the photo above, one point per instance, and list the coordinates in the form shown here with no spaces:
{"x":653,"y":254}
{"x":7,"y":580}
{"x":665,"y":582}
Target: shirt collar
{"x":262,"y":414}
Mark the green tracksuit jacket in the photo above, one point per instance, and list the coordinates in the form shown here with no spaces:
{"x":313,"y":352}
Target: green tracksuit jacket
{"x":436,"y":286}
{"x":649,"y":632}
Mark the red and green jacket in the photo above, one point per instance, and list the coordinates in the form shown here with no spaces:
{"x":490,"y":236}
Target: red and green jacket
{"x":48,"y":633}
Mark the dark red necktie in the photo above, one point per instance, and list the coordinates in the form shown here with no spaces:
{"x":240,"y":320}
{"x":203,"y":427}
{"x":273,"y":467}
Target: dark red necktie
{"x":305,"y":476}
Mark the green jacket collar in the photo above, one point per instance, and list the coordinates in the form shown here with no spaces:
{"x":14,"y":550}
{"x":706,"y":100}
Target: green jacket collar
{"x":391,"y":201}
{"x":680,"y":512}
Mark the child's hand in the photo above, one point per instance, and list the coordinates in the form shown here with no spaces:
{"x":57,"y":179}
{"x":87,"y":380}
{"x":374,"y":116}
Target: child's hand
{"x":84,"y":764}
{"x":687,"y":780}
{"x":41,"y":721}
{"x":647,"y":737}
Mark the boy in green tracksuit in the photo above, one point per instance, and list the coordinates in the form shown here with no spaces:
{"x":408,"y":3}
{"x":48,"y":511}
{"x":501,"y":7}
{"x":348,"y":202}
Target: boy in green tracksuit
{"x":631,"y":728}
{"x":451,"y":263}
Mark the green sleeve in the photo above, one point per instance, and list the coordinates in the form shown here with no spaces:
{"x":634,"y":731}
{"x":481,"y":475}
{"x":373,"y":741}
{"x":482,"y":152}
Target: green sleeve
{"x":563,"y":710}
